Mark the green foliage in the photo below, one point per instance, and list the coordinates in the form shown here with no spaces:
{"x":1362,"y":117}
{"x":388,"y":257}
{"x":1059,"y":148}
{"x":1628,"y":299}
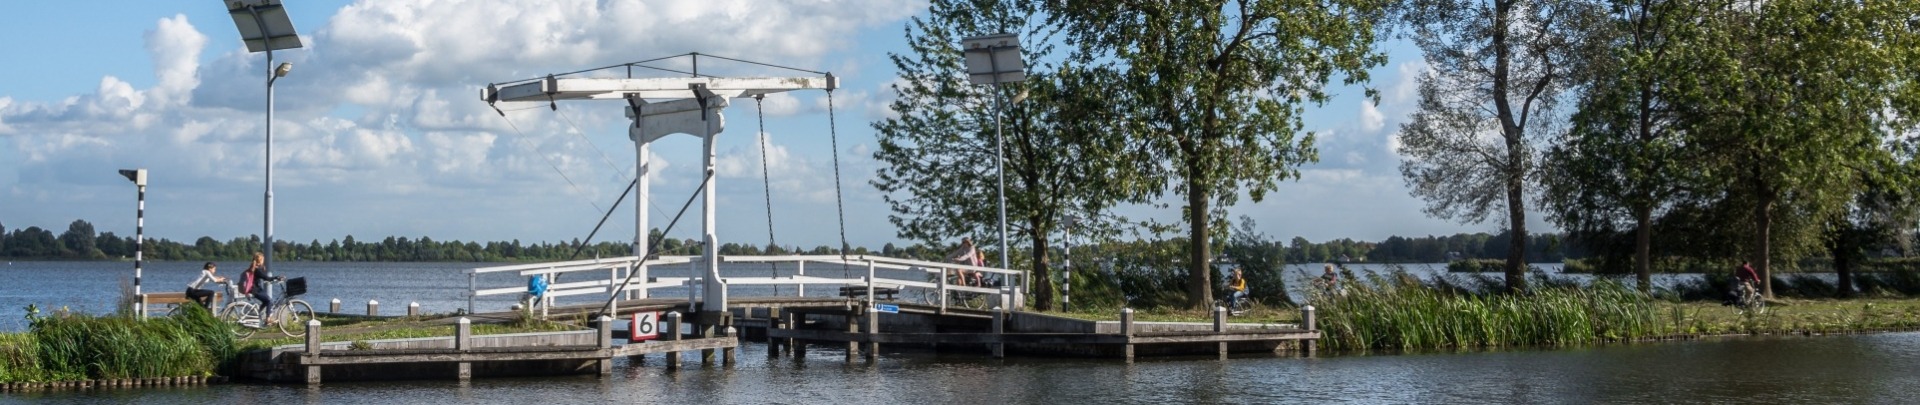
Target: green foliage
{"x":1499,"y":71}
{"x":119,"y":347}
{"x":1397,"y":311}
{"x":1209,"y":94}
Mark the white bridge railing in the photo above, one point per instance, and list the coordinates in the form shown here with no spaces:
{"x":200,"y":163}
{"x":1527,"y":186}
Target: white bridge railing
{"x":617,"y":269}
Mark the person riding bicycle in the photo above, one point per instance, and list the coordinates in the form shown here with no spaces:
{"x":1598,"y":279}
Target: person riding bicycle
{"x":1747,"y":281}
{"x":1237,"y":288}
{"x":256,"y":277}
{"x":967,"y":254}
{"x":201,"y":295}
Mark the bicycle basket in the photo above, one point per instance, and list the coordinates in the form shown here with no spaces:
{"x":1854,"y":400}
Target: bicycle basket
{"x":296,"y":286}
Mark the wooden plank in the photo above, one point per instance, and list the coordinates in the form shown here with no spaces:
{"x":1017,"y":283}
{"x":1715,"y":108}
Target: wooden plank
{"x":323,"y":360}
{"x":662,"y":346}
{"x":1041,"y":338}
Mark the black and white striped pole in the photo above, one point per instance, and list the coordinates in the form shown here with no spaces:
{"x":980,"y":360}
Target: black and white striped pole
{"x":139,"y":178}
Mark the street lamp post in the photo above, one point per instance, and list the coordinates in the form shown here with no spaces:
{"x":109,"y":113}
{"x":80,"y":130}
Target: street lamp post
{"x":139,"y":179}
{"x":265,"y":27}
{"x":995,"y":60}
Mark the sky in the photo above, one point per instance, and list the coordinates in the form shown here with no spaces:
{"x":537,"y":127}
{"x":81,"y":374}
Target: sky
{"x":379,"y":130}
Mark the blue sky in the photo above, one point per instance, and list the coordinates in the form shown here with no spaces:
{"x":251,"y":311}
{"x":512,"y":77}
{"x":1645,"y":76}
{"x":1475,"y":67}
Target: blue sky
{"x":378,"y":131}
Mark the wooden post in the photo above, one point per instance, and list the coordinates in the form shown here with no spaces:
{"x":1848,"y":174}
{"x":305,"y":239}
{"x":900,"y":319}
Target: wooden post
{"x":313,"y":351}
{"x":673,"y":333}
{"x":334,"y":307}
{"x":853,"y":327}
{"x":1220,"y":327}
{"x":463,"y":341}
{"x":796,"y":347}
{"x":413,"y":309}
{"x":873,"y":328}
{"x":773,"y":324}
{"x":373,"y":308}
{"x":606,"y":344}
{"x":1126,"y":329}
{"x":726,"y":355}
{"x":1307,"y":316}
{"x":999,"y":329}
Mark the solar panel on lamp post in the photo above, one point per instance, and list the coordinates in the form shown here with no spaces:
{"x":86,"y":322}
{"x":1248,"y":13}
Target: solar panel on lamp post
{"x":265,"y":27}
{"x":995,"y":59}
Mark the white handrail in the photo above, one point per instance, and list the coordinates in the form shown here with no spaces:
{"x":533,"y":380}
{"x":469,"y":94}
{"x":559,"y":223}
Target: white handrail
{"x":871,"y":280}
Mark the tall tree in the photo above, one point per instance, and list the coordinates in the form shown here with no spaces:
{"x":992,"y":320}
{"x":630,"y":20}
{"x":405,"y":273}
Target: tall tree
{"x":1803,"y":96}
{"x":1622,"y":162}
{"x":939,"y":151}
{"x":1498,"y":71}
{"x":1212,"y":93}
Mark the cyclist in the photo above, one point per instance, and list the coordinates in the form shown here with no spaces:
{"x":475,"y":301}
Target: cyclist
{"x":967,"y":254}
{"x":1237,"y":288}
{"x":200,"y":295}
{"x":1749,"y":281}
{"x":256,"y":278}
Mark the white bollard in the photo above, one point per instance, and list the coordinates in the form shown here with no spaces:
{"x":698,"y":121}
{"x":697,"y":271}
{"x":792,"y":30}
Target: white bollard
{"x":334,"y":307}
{"x":373,"y":308}
{"x":413,"y":309}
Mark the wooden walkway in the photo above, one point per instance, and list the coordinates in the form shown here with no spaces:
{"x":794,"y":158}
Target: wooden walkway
{"x":555,"y":352}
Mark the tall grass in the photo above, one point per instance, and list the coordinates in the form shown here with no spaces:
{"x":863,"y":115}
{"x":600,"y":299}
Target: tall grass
{"x":71,"y":347}
{"x":1398,"y":311}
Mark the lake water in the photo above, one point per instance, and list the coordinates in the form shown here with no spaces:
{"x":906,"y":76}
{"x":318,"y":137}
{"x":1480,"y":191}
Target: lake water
{"x":1880,"y":368}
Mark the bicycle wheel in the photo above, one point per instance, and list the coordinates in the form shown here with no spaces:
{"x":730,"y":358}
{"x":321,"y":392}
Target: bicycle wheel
{"x":244,"y":316}
{"x":176,"y":311}
{"x":293,"y":319}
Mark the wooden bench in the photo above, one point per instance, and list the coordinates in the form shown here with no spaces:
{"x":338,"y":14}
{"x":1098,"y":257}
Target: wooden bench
{"x":154,"y":300}
{"x":889,"y":292}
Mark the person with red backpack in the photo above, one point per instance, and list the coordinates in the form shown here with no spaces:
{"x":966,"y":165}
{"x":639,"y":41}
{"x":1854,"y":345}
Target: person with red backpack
{"x":253,"y":282}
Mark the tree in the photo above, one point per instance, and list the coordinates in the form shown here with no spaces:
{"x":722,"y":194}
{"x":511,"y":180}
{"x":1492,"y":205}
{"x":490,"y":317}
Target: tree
{"x":1806,"y":101}
{"x":1498,"y":70}
{"x":939,"y":151}
{"x":1212,"y":94}
{"x":1622,"y":162}
{"x":78,"y":240}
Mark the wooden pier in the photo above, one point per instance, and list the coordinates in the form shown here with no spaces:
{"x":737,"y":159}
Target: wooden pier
{"x":462,"y":356}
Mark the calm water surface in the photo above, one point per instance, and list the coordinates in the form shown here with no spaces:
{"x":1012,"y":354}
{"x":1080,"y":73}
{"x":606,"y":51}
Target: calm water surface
{"x":1880,"y":368}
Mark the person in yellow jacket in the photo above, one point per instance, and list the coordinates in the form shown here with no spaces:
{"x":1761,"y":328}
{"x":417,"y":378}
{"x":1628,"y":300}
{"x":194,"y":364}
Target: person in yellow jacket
{"x":1237,"y":287}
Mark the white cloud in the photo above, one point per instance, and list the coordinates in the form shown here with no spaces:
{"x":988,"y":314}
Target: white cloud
{"x":1370,"y":118}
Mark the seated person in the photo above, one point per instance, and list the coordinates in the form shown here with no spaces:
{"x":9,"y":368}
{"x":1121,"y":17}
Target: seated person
{"x":967,"y":254}
{"x":1237,"y":286}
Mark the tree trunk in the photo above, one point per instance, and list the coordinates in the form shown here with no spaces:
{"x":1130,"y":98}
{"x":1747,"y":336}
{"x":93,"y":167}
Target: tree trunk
{"x":1843,"y":266}
{"x":1517,"y":222}
{"x":1042,"y":270}
{"x":1762,"y":249}
{"x":1643,"y":247}
{"x":1200,"y":270}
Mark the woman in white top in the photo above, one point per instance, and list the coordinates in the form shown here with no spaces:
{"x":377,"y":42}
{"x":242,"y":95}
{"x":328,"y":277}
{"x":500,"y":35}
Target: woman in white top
{"x":204,"y":296}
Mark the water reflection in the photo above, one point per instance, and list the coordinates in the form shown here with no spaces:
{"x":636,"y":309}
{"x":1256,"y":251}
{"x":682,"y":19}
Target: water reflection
{"x":1842,"y":369}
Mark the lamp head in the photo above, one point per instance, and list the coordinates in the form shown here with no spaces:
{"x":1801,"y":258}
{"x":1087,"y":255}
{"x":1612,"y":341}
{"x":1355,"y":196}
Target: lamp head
{"x":137,"y":176}
{"x":283,"y":69}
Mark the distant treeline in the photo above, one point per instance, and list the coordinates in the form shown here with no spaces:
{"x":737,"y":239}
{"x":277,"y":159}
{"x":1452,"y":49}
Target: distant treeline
{"x":81,"y":242}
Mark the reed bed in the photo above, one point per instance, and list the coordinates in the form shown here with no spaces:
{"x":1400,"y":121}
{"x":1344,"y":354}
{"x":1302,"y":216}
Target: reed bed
{"x":1398,"y":311}
{"x":66,"y":347}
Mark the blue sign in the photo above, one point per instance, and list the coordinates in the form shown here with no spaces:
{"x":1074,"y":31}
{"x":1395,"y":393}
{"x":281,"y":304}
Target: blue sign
{"x":888,"y":308}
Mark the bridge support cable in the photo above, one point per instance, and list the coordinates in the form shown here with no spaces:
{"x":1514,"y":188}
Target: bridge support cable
{"x":760,"y":111}
{"x":839,"y":205}
{"x":654,"y":245}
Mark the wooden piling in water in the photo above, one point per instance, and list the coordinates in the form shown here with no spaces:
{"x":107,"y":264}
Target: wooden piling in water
{"x":1126,"y":329}
{"x":463,"y":341}
{"x":606,"y":342}
{"x":313,"y":350}
{"x":1308,"y":322}
{"x":873,"y":327}
{"x":1220,"y":326}
{"x":999,"y":332}
{"x":673,"y":333}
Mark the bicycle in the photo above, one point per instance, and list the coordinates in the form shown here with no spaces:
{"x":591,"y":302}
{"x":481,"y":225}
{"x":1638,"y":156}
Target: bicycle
{"x":959,"y":299}
{"x":290,"y":313}
{"x":1749,"y":299}
{"x":1235,"y":305}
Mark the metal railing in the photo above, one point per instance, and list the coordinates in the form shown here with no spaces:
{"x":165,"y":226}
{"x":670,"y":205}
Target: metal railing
{"x":618,"y":268}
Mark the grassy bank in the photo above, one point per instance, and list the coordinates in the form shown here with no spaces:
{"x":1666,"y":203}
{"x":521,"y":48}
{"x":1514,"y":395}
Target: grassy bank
{"x":74,"y":347}
{"x":1397,"y":311}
